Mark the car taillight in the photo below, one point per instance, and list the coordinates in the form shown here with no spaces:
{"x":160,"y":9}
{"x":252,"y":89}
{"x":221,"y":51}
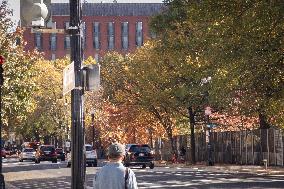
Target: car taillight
{"x":132,"y":157}
{"x":54,"y":154}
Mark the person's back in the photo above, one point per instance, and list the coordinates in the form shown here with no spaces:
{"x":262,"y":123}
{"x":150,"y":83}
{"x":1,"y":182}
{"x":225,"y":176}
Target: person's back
{"x":113,"y":175}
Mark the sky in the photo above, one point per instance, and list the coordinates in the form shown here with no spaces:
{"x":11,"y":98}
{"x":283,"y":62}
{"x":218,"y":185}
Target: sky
{"x":15,"y":4}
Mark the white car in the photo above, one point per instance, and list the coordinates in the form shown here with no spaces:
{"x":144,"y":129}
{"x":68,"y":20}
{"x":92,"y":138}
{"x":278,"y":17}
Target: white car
{"x":91,"y":156}
{"x":27,"y":154}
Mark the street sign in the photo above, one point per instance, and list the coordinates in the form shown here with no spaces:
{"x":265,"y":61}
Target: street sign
{"x":68,"y":78}
{"x":207,"y":136}
{"x":91,"y":77}
{"x":47,"y":30}
{"x":208,"y":110}
{"x":67,"y":144}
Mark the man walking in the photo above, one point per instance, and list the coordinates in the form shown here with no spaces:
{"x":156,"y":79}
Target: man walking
{"x":114,"y":175}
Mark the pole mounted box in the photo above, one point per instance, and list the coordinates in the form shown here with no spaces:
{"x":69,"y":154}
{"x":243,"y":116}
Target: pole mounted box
{"x":35,"y":13}
{"x":91,"y":77}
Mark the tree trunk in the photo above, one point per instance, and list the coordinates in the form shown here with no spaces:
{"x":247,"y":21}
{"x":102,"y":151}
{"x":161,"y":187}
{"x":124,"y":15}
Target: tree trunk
{"x":264,"y":126}
{"x":192,"y":136}
{"x":167,"y":125}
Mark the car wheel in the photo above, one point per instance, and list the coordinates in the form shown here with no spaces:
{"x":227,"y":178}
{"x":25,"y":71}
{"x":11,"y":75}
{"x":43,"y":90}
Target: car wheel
{"x":152,"y":166}
{"x":144,"y":166}
{"x":54,"y":161}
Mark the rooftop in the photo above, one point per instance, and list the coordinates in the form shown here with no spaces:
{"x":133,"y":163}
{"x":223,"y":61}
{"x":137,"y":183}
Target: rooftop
{"x":110,"y":9}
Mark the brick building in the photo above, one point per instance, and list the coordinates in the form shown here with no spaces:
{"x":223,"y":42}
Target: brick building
{"x":121,"y":27}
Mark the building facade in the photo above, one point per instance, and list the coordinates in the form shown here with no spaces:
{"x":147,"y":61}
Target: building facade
{"x":120,"y":27}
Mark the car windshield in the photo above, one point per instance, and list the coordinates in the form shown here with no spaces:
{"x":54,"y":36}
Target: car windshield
{"x":47,"y":148}
{"x":28,"y":150}
{"x":139,"y":148}
{"x":89,"y":148}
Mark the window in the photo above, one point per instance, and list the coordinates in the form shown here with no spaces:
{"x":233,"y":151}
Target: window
{"x":67,"y":38}
{"x":53,"y":41}
{"x":38,"y":41}
{"x":97,"y":57}
{"x":124,"y":35}
{"x":110,"y":35}
{"x":153,"y":34}
{"x":84,"y":44}
{"x":53,"y":57}
{"x":96,"y":35}
{"x":139,"y":34}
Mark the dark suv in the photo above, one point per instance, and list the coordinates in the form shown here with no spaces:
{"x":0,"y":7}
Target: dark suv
{"x":139,"y":155}
{"x":46,"y":153}
{"x":60,"y":154}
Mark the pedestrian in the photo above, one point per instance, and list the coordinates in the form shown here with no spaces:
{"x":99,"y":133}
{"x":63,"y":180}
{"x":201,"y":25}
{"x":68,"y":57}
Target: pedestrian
{"x":114,"y":175}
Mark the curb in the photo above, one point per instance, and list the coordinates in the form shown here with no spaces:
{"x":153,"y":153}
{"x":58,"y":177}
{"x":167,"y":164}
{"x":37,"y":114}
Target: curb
{"x":239,"y":168}
{"x":10,"y":186}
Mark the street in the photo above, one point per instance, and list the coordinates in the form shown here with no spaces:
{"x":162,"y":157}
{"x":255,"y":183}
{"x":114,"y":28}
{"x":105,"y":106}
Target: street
{"x":47,"y":175}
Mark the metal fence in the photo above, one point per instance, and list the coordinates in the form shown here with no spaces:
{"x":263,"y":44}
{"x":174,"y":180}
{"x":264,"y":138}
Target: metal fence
{"x":234,"y":147}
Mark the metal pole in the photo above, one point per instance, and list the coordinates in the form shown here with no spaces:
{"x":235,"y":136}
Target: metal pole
{"x":209,"y":146}
{"x":78,"y":165}
{"x":93,"y":125}
{"x":2,"y":181}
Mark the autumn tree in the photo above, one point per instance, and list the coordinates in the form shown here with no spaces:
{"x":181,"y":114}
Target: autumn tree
{"x":18,"y":73}
{"x":239,"y":43}
{"x":49,"y":118}
{"x":124,"y":113}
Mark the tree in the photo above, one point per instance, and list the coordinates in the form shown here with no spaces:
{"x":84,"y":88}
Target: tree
{"x":49,"y":117}
{"x":239,"y":44}
{"x":18,"y":73}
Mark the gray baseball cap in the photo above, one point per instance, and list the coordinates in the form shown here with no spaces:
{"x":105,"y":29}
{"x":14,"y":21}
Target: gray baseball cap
{"x":116,"y":149}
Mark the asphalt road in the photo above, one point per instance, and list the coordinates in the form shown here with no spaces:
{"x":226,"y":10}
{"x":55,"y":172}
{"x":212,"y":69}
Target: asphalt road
{"x":47,"y":175}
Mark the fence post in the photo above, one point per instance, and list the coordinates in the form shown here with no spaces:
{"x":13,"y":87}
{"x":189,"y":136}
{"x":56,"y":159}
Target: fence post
{"x":267,"y":139}
{"x":246,"y":142}
{"x":252,"y":147}
{"x":282,"y":147}
{"x":274,"y":147}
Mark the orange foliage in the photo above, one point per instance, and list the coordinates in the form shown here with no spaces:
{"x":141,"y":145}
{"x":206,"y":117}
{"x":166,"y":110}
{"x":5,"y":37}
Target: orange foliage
{"x":126,"y":124}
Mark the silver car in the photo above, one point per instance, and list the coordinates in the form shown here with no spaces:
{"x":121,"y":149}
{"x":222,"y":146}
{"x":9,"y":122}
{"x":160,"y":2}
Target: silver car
{"x":27,"y":154}
{"x":91,"y":156}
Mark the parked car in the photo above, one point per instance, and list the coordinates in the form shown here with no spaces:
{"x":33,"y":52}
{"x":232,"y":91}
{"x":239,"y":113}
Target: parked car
{"x":46,"y":153}
{"x":3,"y":153}
{"x":139,"y":154}
{"x":127,"y":147}
{"x":60,"y":154}
{"x":27,"y":154}
{"x":91,"y":156}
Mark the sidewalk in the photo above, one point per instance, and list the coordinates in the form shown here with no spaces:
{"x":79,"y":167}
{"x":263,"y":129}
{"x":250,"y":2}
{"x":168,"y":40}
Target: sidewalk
{"x":256,"y":169}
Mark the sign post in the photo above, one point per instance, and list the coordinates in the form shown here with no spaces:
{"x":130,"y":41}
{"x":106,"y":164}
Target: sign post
{"x":68,"y":78}
{"x":78,"y":164}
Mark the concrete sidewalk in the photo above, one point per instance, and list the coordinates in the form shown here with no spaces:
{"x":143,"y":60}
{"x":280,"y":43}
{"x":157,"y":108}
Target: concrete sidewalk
{"x":271,"y":170}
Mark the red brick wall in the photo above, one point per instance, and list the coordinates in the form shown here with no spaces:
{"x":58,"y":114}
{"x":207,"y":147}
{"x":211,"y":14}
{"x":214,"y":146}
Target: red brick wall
{"x":90,"y":50}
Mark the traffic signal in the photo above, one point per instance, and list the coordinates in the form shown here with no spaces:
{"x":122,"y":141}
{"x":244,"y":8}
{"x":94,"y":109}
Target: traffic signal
{"x":35,"y":13}
{"x":1,"y":70}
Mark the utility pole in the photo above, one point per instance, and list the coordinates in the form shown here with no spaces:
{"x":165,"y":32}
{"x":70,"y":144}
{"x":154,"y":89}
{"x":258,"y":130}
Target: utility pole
{"x":78,"y":165}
